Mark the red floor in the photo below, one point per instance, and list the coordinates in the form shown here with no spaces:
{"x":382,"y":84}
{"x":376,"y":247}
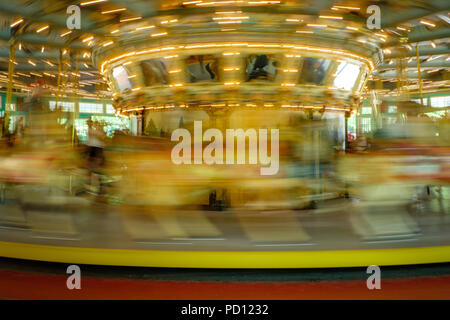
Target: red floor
{"x":19,"y":285}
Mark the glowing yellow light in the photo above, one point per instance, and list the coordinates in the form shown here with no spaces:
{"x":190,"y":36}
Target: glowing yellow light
{"x":433,"y":44}
{"x":230,"y":18}
{"x":66,"y":33}
{"x":159,"y":34}
{"x":32,"y":63}
{"x":317,"y":25}
{"x":346,"y":7}
{"x":114,"y":31}
{"x":15,"y":23}
{"x":428,"y":23}
{"x":331,"y":17}
{"x":91,"y":2}
{"x":88,"y":39}
{"x":351,"y":28}
{"x":145,"y":27}
{"x":304,"y":31}
{"x":42,"y":29}
{"x":130,"y":19}
{"x":108,"y":43}
{"x":115,"y":10}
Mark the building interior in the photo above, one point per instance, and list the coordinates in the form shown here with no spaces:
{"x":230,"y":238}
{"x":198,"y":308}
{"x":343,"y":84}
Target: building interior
{"x":254,"y":145}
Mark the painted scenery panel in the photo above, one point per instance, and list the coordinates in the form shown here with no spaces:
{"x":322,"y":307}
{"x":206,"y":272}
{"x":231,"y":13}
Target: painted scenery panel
{"x":202,"y":68}
{"x":261,"y":67}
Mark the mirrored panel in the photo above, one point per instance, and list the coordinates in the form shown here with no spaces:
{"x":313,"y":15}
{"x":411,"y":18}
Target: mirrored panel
{"x":202,"y":68}
{"x":261,"y":67}
{"x":121,"y":75}
{"x":155,"y":71}
{"x":314,"y":70}
{"x":346,"y":75}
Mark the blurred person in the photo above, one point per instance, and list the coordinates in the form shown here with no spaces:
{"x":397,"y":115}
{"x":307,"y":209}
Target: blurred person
{"x":96,"y":158}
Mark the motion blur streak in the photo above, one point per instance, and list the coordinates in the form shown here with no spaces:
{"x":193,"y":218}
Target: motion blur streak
{"x":117,"y":123}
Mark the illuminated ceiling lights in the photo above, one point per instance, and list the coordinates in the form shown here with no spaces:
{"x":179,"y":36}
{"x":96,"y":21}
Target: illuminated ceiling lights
{"x":230,"y":18}
{"x":87,"y":3}
{"x":345,"y":8}
{"x":66,"y":33}
{"x":144,"y":28}
{"x":159,"y":34}
{"x":331,"y":17}
{"x":403,"y":28}
{"x":316,"y":25}
{"x":428,"y":23}
{"x":304,"y":31}
{"x":42,"y":28}
{"x":15,"y":23}
{"x":433,"y":44}
{"x":88,"y":39}
{"x":108,"y":43}
{"x":113,"y":11}
{"x":130,"y":19}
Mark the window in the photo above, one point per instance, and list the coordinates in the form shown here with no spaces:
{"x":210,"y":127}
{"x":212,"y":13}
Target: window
{"x":86,"y":107}
{"x":392,"y":109}
{"x":346,"y":75}
{"x":112,"y":124}
{"x":366,"y":110}
{"x":365,"y":124}
{"x":120,"y":74}
{"x":81,"y":128}
{"x":64,"y":105}
{"x":440,"y":102}
{"x":314,"y":70}
{"x":389,"y":120}
{"x":352,"y":123}
{"x":110,"y":109}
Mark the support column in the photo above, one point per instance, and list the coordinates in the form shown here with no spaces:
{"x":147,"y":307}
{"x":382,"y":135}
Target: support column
{"x":12,"y":53}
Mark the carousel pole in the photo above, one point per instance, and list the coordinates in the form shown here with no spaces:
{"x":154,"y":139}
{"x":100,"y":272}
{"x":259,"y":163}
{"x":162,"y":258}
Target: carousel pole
{"x":12,"y":53}
{"x":418,"y":73}
{"x":76,"y":102}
